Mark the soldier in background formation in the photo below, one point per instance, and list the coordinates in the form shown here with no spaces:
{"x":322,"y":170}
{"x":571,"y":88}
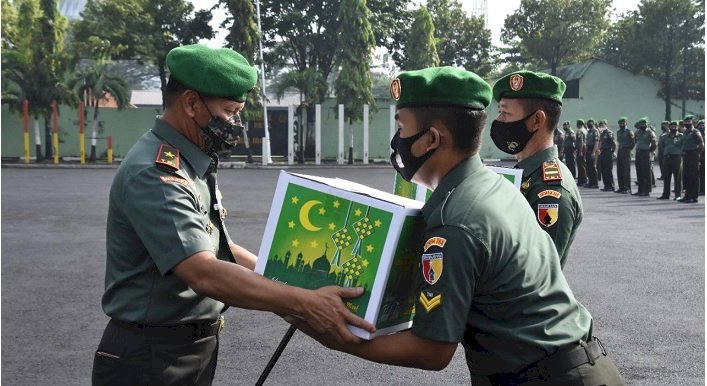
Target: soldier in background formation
{"x":692,"y":146}
{"x":664,"y":132}
{"x":671,"y":143}
{"x":626,"y":142}
{"x":558,"y":138}
{"x":701,"y":129}
{"x":581,"y":138}
{"x":570,"y":149}
{"x":607,"y":144}
{"x":591,"y":150}
{"x":645,"y":144}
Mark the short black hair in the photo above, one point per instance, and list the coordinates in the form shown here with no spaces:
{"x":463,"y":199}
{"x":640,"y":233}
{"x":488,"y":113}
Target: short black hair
{"x":465,"y":124}
{"x":173,"y":90}
{"x":552,"y":109}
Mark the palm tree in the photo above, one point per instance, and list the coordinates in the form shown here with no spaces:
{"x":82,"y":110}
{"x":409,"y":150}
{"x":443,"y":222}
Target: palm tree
{"x":94,"y":85}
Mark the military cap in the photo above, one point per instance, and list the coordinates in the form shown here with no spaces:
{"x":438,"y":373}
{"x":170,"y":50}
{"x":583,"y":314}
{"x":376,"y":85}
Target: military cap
{"x":689,"y":117}
{"x":625,"y":119}
{"x":566,"y":123}
{"x":604,"y":121}
{"x":440,"y":86}
{"x":590,"y":120}
{"x":674,"y":123}
{"x":664,"y":123}
{"x":700,"y":122}
{"x":220,"y":72}
{"x":643,"y":120}
{"x":529,"y":85}
{"x":580,"y":122}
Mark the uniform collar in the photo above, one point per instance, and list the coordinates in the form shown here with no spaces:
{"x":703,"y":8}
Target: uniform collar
{"x":199,"y":161}
{"x":450,"y":181}
{"x":536,"y":160}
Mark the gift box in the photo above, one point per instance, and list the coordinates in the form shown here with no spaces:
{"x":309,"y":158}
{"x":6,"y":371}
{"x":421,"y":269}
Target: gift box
{"x":329,"y":231}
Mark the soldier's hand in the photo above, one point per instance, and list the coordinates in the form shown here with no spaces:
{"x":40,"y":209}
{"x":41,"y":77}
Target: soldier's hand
{"x":327,"y":316}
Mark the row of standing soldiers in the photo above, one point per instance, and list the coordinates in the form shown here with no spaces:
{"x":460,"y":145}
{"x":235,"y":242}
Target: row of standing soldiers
{"x":589,"y":153}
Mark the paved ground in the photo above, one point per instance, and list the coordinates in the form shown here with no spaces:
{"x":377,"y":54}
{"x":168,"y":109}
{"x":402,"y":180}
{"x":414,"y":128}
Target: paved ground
{"x":637,"y":264}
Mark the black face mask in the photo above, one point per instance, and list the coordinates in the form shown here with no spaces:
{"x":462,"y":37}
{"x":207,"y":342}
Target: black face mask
{"x":688,"y":126}
{"x":673,"y":131}
{"x":622,"y":126}
{"x":219,"y":134}
{"x":511,"y":137}
{"x":642,"y":128}
{"x":404,"y":162}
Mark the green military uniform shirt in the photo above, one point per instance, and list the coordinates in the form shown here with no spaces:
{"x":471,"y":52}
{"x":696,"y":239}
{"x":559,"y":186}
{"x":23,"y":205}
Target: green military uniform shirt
{"x":645,"y":140}
{"x":672,"y":143}
{"x":691,"y":140}
{"x":570,"y":139}
{"x":553,"y":194}
{"x":581,"y":138}
{"x":491,"y":278}
{"x":607,"y":140}
{"x":625,"y":138}
{"x":592,"y":138}
{"x":162,"y":209}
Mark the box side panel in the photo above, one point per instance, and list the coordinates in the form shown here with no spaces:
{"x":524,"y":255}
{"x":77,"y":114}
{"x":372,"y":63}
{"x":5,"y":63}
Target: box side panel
{"x":275,"y":208}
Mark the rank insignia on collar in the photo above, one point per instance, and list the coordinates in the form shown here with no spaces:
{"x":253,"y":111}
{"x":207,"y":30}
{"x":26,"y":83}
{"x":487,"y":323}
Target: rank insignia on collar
{"x":548,"y":214}
{"x":430,"y":300}
{"x":432,"y":265}
{"x":525,"y":185}
{"x":169,"y":156}
{"x":551,"y":171}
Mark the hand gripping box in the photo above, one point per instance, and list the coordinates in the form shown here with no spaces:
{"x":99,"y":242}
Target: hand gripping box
{"x":329,"y":231}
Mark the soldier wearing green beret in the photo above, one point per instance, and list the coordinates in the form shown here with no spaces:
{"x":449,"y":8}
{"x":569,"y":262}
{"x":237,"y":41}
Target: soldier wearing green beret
{"x":528,"y":114}
{"x":627,"y":141}
{"x":581,"y":159}
{"x":607,"y":144}
{"x":664,"y":131}
{"x":692,"y":145}
{"x":701,"y":128}
{"x":591,"y":150}
{"x":645,"y":144}
{"x":501,"y":292}
{"x":672,"y":160}
{"x":172,"y":267}
{"x":570,"y":146}
{"x":558,"y":138}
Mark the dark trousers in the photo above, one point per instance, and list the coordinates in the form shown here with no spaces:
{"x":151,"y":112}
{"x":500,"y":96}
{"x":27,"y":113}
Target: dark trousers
{"x":661,"y":159}
{"x":691,"y":166}
{"x":571,"y":161}
{"x":702,"y":173}
{"x":581,"y":170}
{"x":623,"y":168}
{"x":599,"y":175}
{"x":672,"y":164}
{"x":128,"y":357}
{"x":607,"y":168}
{"x":643,"y":172}
{"x":591,"y":167}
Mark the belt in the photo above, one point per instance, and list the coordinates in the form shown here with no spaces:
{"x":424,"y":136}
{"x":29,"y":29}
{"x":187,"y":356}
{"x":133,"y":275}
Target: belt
{"x":193,"y":331}
{"x":558,"y":363}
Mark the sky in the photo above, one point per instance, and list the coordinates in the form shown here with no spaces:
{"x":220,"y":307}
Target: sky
{"x":497,"y":12}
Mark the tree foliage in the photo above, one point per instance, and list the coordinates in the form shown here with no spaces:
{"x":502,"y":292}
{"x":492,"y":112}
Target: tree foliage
{"x":556,"y":32}
{"x":462,"y":40}
{"x":242,"y":25}
{"x":356,"y":43}
{"x":420,"y":45}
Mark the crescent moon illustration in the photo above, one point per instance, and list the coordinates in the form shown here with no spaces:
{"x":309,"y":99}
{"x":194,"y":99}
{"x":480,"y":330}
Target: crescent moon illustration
{"x":304,"y":215}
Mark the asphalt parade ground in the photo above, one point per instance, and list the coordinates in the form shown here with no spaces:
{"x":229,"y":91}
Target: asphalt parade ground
{"x":637,"y":264}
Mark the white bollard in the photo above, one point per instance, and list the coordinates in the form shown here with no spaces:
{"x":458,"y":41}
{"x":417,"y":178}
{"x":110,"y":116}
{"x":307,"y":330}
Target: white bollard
{"x":290,"y":135}
{"x":340,"y":155}
{"x":365,"y":134}
{"x":318,"y":134}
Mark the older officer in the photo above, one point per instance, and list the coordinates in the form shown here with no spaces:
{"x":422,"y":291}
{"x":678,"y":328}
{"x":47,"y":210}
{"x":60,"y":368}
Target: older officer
{"x":547,"y":184}
{"x":607,"y":144}
{"x":501,"y":293}
{"x":626,"y":141}
{"x":692,"y":145}
{"x":581,"y":160}
{"x":172,"y":267}
{"x":672,"y":162}
{"x":645,"y":144}
{"x":570,"y":148}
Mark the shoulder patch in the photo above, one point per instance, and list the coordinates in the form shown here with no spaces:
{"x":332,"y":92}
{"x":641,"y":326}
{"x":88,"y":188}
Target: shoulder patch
{"x":548,"y":214}
{"x":430,"y":300}
{"x":434,"y":241}
{"x":432,"y":265}
{"x":549,"y":192}
{"x":169,"y":156}
{"x":551,"y":171}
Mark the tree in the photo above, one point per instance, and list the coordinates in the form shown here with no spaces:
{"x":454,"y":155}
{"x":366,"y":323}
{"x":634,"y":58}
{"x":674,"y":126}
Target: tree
{"x":556,"y":32}
{"x":144,"y":29}
{"x":420,"y":46}
{"x":462,"y":40}
{"x":241,"y":22}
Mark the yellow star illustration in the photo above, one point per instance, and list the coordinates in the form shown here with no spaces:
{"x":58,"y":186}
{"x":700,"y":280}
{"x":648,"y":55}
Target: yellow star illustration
{"x":377,"y":223}
{"x":369,"y":248}
{"x":169,"y":154}
{"x":336,"y":204}
{"x":364,"y":263}
{"x":295,"y":200}
{"x":322,"y":211}
{"x":313,"y":244}
{"x":295,"y":243}
{"x":291,"y":224}
{"x":332,"y":226}
{"x":357,"y":212}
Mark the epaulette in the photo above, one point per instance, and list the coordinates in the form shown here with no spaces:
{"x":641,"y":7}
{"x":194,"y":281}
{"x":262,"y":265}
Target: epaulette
{"x":168,"y":156}
{"x":551,"y":171}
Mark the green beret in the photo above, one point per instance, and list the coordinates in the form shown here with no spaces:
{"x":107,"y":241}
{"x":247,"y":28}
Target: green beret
{"x":440,"y":86}
{"x":643,"y":120}
{"x":580,"y":122}
{"x":674,"y":123}
{"x":590,"y":120}
{"x":529,"y":85}
{"x":664,"y":123}
{"x":625,"y":119}
{"x":689,"y":118}
{"x":566,"y":123}
{"x":604,"y":121}
{"x":700,"y":122}
{"x":220,"y":72}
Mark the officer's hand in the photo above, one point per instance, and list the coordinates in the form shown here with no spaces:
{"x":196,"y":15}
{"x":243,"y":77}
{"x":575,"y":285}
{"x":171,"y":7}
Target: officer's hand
{"x":327,"y":315}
